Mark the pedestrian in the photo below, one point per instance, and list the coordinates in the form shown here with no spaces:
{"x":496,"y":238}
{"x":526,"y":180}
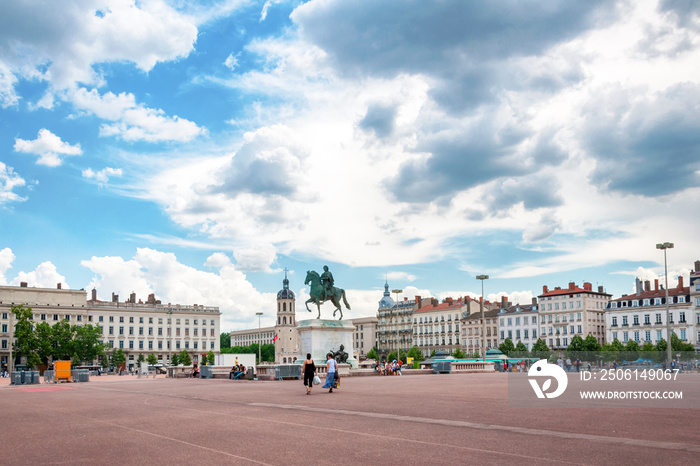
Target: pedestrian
{"x":578,"y":364}
{"x":309,"y":370}
{"x":331,"y":367}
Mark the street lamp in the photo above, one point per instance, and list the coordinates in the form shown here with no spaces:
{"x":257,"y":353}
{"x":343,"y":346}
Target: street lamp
{"x":170,"y":335}
{"x":397,"y":291}
{"x":665,"y":246}
{"x":483,"y":322}
{"x":259,"y":338}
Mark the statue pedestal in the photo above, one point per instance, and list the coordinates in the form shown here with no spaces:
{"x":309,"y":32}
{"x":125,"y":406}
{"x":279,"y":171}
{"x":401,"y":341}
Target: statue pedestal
{"x":319,"y":337}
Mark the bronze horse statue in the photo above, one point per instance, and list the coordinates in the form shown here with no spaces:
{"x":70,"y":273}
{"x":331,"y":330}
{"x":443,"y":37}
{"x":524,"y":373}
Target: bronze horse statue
{"x":318,"y":295}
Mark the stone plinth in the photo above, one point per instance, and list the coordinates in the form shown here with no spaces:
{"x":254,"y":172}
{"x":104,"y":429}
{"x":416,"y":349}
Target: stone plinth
{"x":319,"y":337}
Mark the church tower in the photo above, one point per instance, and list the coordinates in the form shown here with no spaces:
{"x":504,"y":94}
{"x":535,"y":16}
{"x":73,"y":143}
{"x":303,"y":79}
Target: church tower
{"x":286,"y":345}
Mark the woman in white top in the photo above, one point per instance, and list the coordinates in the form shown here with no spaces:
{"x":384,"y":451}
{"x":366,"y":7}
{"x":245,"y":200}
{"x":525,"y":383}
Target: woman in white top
{"x":331,"y":367}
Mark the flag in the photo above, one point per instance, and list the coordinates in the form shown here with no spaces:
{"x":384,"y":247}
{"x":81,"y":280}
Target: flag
{"x":274,"y":339}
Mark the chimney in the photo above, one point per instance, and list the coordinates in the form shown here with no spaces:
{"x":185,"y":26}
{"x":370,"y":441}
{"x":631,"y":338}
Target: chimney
{"x":601,"y":289}
{"x":680,"y":282}
{"x":587,"y":286}
{"x":504,"y":301}
{"x":23,"y":284}
{"x":58,"y":286}
{"x":572,"y":285}
{"x":697,"y":266}
{"x":638,"y":285}
{"x":132,"y":298}
{"x":449,"y":301}
{"x":647,"y":285}
{"x":545,"y":289}
{"x":151,"y":299}
{"x":115,"y":298}
{"x":94,"y":294}
{"x":656,"y":284}
{"x":534,"y":301}
{"x":419,"y":302}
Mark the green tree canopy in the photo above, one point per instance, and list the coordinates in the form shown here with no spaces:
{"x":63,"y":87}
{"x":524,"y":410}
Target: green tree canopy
{"x":458,"y":354}
{"x":140,"y":359}
{"x":210,"y":358}
{"x":63,"y":335}
{"x":185,"y":359}
{"x":225,"y":340}
{"x":152,"y":359}
{"x":521,"y":350}
{"x":372,"y":354}
{"x":118,"y":358}
{"x":175,"y":360}
{"x":27,"y":344}
{"x":540,"y":349}
{"x":44,"y":336}
{"x":86,"y":343}
{"x":416,"y":354}
{"x":507,"y":346}
{"x":590,"y":344}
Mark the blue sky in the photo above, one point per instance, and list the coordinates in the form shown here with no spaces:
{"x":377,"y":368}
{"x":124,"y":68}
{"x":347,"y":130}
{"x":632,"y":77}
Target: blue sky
{"x":197,"y":149}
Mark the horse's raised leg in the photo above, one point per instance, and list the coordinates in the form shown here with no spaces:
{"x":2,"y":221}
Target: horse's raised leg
{"x":310,"y":300}
{"x":318,"y":305}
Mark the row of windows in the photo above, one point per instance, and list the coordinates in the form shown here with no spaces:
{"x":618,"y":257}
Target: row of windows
{"x":526,"y":334}
{"x":79,"y":318}
{"x":647,"y":336}
{"x":130,"y":344}
{"x":525,"y":319}
{"x":647,"y":302}
{"x":429,"y":319}
{"x":658,"y":319}
{"x":141,"y":330}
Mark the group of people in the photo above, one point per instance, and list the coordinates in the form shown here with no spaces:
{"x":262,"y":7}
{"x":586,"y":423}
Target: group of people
{"x":237,"y":371}
{"x":332,"y":374}
{"x":568,"y":365}
{"x":389,"y":368}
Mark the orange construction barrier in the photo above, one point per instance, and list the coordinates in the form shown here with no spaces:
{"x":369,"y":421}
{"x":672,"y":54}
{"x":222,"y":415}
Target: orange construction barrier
{"x":62,"y":370}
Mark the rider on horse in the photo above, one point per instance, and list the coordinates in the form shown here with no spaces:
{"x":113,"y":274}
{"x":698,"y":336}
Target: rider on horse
{"x":327,"y":282}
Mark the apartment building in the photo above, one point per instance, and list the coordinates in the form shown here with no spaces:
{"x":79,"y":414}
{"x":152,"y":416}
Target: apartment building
{"x":567,"y":312}
{"x":520,"y":323}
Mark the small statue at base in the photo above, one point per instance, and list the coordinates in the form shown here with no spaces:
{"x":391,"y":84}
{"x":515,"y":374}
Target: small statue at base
{"x":341,"y":357}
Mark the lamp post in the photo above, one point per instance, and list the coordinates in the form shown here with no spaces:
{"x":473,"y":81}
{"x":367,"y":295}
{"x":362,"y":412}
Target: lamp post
{"x":170,"y":335}
{"x":669,"y":355}
{"x":483,"y":322}
{"x":259,"y":338}
{"x":397,"y":291}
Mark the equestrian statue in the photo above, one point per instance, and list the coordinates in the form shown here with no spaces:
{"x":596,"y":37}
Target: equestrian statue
{"x":322,"y":290}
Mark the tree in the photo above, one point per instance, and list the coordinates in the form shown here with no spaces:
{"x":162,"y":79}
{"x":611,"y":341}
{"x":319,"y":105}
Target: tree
{"x":591,"y":345}
{"x":86,"y":343}
{"x":175,"y":360}
{"x":63,"y":340}
{"x":521,"y":350}
{"x":575,"y":348}
{"x":507,"y":346}
{"x":631,"y":351}
{"x":44,"y":336}
{"x":140,"y":359}
{"x":105,"y":361}
{"x":433,"y":353}
{"x":679,"y":345}
{"x":210,"y":358}
{"x":224,"y":340}
{"x":540,"y":349}
{"x":26,"y":344}
{"x":185,"y":359}
{"x":458,"y":354}
{"x":152,"y":359}
{"x":476,"y":354}
{"x":372,"y":354}
{"x":118,"y":358}
{"x":416,"y":354}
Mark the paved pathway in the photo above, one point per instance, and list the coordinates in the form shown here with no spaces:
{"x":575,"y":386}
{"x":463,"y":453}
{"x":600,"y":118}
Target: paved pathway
{"x":442,"y":419}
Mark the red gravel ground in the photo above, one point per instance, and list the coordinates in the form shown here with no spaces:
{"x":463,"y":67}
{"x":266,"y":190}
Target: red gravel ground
{"x":432,"y":419}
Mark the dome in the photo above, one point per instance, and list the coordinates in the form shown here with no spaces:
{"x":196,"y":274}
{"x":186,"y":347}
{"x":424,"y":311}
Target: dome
{"x":285,"y":292}
{"x":386,"y":302}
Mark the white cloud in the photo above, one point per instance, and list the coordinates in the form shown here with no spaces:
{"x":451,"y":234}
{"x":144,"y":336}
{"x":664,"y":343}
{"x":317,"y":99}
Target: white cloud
{"x":152,"y":271}
{"x":103,"y":175}
{"x":263,"y":13}
{"x":231,"y":62}
{"x":400,"y":277}
{"x":48,"y":147}
{"x":133,"y":121}
{"x":44,"y":276}
{"x":8,"y":96}
{"x":256,"y":258}
{"x":6,"y":259}
{"x":9,"y":180}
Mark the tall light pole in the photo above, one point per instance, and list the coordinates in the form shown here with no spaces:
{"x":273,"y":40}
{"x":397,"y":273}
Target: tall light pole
{"x":170,"y":336}
{"x":397,"y":291}
{"x":259,"y":339}
{"x":483,"y":322}
{"x":669,"y":356}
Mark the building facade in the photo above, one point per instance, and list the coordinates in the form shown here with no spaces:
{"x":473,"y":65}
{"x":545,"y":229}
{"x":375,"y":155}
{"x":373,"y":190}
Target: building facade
{"x":520,"y":323}
{"x":436,"y":325}
{"x":567,"y":312}
{"x":394,"y":329}
{"x":641,"y":317}
{"x":137,"y":328}
{"x":365,"y":336}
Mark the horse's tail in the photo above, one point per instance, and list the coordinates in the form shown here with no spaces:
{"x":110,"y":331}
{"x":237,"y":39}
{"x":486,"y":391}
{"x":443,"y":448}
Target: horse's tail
{"x":345,"y":300}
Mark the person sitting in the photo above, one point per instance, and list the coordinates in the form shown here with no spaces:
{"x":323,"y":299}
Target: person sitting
{"x":232,"y":372}
{"x":240,"y":372}
{"x":195,"y":372}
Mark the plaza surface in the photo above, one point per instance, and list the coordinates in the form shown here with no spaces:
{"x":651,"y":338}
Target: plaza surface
{"x":427,"y":419}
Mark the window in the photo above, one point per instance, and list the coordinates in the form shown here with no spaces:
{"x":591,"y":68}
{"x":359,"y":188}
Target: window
{"x":150,"y":344}
{"x":614,"y":321}
{"x":579,"y":329}
{"x":141,"y":344}
{"x":121,"y":330}
{"x":647,"y":319}
{"x":111,"y":330}
{"x":625,"y":337}
{"x":4,"y":328}
{"x":614,"y":335}
{"x":55,"y":317}
{"x":636,"y":336}
{"x":121,"y":344}
{"x":681,"y":317}
{"x":131,"y":320}
{"x":659,"y":336}
{"x":658,"y":318}
{"x":635,"y":319}
{"x":683,"y":334}
{"x":140,"y":330}
{"x":131,"y":344}
{"x":140,"y":320}
{"x":647,"y":335}
{"x":624,"y":320}
{"x":131,"y":330}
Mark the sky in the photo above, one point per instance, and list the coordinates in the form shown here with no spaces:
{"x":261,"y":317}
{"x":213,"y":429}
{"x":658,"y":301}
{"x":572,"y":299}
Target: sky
{"x":197,"y":149}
